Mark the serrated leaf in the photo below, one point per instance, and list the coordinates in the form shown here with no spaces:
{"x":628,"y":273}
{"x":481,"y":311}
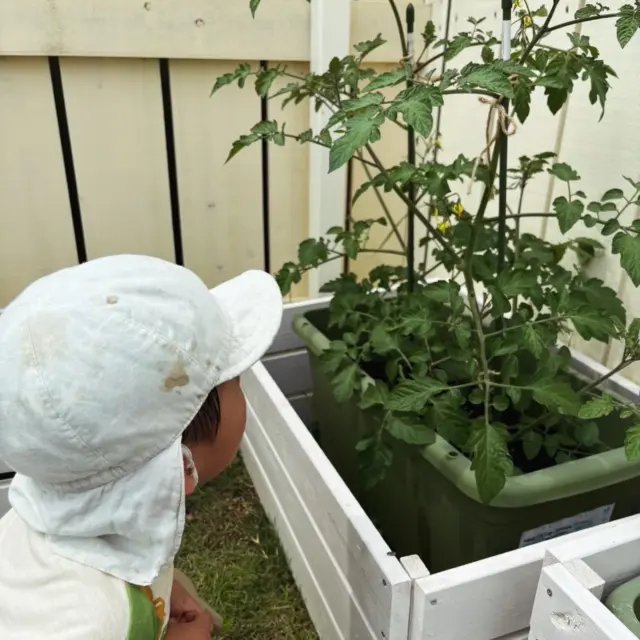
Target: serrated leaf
{"x":387,"y":79}
{"x":458,"y":44}
{"x":487,"y":77}
{"x":491,"y":461}
{"x":628,"y":247}
{"x":361,"y":130}
{"x":374,"y":395}
{"x":312,"y":252}
{"x":332,"y":358}
{"x":588,"y":434}
{"x":416,"y":105}
{"x":613,"y":194}
{"x":610,"y":227}
{"x":253,"y":5}
{"x":568,"y":212}
{"x":627,"y":24}
{"x":522,"y":99}
{"x":532,"y":444}
{"x":556,"y":394}
{"x":411,"y":433}
{"x":413,"y":395}
{"x":366,"y":47}
{"x":564,"y":172}
{"x":381,"y":340}
{"x":429,"y":34}
{"x":265,"y":80}
{"x":518,"y":282}
{"x":590,"y":323}
{"x":534,"y":340}
{"x":344,"y":383}
{"x":632,"y":443}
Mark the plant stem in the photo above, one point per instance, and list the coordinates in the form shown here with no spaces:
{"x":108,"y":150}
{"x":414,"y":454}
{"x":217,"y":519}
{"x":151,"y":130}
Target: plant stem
{"x":326,"y":146}
{"x":431,"y":60}
{"x":591,"y":385}
{"x":384,"y":206}
{"x":443,"y":243}
{"x":543,"y":31}
{"x":396,"y":15}
{"x":570,"y":23}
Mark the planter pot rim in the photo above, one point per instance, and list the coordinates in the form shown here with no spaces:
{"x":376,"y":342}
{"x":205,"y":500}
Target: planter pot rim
{"x":555,"y":483}
{"x":621,"y":603}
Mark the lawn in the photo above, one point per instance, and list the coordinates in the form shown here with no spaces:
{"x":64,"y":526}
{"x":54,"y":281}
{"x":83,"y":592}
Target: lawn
{"x":234,"y":558}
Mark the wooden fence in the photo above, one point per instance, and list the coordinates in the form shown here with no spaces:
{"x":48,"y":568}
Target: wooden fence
{"x":109,"y":142}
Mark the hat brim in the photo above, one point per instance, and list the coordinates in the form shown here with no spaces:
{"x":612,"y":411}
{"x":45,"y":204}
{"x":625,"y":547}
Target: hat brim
{"x":253,"y":304}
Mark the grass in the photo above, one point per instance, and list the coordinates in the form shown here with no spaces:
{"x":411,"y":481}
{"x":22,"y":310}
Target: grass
{"x":234,"y":558}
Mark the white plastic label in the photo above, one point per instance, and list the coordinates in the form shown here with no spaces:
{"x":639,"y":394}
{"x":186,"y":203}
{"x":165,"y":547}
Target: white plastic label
{"x":586,"y":520}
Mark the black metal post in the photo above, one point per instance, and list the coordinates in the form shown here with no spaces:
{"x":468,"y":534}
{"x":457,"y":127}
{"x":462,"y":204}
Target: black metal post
{"x":411,"y":219}
{"x":504,"y":142}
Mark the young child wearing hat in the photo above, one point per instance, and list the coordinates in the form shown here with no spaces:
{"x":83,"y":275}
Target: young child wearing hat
{"x":119,"y":392}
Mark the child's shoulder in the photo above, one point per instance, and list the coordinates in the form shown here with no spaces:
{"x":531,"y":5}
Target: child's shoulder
{"x":43,"y":595}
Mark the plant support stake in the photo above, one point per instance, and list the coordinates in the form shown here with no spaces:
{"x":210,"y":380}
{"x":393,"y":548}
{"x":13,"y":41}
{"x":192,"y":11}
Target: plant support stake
{"x":411,"y":220}
{"x":504,"y":141}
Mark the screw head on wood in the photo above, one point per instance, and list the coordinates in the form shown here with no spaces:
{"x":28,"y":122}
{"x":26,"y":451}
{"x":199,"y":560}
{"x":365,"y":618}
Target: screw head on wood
{"x":549,"y":592}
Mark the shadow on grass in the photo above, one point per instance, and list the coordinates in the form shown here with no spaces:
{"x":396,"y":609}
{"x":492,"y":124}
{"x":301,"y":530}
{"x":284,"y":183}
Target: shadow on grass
{"x":233,"y":556}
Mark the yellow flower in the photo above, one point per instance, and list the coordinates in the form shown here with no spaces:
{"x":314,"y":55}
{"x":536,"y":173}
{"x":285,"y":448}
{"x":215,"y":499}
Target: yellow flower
{"x":527,"y":21}
{"x":438,"y":143}
{"x":517,"y":4}
{"x":443,"y":226}
{"x":436,"y":214}
{"x":458,"y":209}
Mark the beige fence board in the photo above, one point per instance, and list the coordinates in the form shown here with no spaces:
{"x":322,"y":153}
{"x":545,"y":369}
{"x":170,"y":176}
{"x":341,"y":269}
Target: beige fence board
{"x":37,"y":234}
{"x":198,"y":29}
{"x":117,"y":133}
{"x":289,"y":183}
{"x":220,"y":204}
{"x":602,"y":152}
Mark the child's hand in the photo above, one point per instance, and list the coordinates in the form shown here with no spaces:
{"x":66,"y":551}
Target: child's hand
{"x":199,"y":627}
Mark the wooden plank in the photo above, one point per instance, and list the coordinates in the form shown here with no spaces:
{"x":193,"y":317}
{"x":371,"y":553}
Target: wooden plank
{"x":564,"y":609}
{"x":289,"y":183}
{"x":220,"y":204}
{"x":616,"y":140}
{"x":303,"y":406}
{"x":117,"y":134}
{"x":287,"y":340}
{"x":198,"y":29}
{"x":4,"y":497}
{"x":507,"y":583}
{"x":290,"y":371}
{"x":416,"y":569}
{"x":35,"y":216}
{"x":330,"y":31}
{"x":366,"y":587}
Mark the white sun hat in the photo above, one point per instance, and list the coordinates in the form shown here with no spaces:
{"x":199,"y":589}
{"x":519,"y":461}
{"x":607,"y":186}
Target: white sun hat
{"x":102,"y":367}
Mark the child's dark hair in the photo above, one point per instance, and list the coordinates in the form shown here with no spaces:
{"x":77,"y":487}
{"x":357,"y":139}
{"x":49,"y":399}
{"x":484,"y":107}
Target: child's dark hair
{"x":204,"y":426}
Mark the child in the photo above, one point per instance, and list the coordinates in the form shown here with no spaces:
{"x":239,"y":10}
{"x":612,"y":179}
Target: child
{"x":119,"y":392}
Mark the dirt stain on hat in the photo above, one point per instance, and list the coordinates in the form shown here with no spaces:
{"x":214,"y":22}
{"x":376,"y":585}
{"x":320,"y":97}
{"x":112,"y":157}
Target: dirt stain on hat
{"x":177,"y":376}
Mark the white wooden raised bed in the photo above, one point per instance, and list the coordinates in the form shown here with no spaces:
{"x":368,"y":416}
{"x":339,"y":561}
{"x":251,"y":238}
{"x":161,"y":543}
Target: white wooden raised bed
{"x":355,"y":588}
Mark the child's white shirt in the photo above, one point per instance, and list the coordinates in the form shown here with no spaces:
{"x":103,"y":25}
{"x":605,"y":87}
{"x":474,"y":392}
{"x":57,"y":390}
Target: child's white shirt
{"x":44,"y":596}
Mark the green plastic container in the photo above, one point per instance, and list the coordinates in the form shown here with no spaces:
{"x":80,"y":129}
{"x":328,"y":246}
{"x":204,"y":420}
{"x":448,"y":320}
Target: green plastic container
{"x":624,"y":603}
{"x":428,"y":503}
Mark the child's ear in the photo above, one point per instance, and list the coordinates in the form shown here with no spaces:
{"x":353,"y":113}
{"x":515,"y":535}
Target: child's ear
{"x":189,"y":480}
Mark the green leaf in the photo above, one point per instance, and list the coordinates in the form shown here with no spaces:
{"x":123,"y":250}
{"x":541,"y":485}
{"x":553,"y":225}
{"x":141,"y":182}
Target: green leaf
{"x":366,"y":47}
{"x":312,"y":252}
{"x":489,"y":77}
{"x":522,"y":99}
{"x":416,"y":105}
{"x":429,"y":35}
{"x":411,"y":433}
{"x":253,"y":5}
{"x":632,"y":443}
{"x":564,"y":172}
{"x":382,"y":341}
{"x":264,"y":81}
{"x":532,"y":444}
{"x":568,"y":212}
{"x":491,"y":461}
{"x":534,"y":340}
{"x":387,"y":79}
{"x":588,"y":434}
{"x":457,"y":45}
{"x":613,"y":194}
{"x":413,"y":395}
{"x":610,"y":227}
{"x":627,"y":24}
{"x":333,"y":358}
{"x":628,"y":247}
{"x":518,"y":282}
{"x":240,"y":74}
{"x":590,"y":323}
{"x":361,"y":130}
{"x":556,"y":394}
{"x":488,"y":55}
{"x":588,"y":11}
{"x":345,"y":382}
{"x":375,"y":394}
{"x":500,"y":403}
{"x":288,"y":276}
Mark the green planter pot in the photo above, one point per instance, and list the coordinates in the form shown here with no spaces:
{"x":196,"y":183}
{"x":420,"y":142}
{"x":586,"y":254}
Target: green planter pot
{"x":624,"y":603}
{"x":428,"y":503}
